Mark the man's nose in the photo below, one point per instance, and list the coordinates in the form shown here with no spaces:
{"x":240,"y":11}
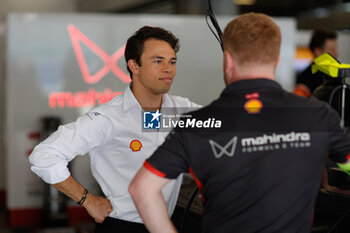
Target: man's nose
{"x":167,"y":67}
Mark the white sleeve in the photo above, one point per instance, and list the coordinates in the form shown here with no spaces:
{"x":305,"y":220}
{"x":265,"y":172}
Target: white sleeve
{"x":195,"y":105}
{"x":50,"y":158}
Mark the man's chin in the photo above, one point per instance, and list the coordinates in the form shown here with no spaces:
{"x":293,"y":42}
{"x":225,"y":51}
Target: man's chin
{"x":163,"y":90}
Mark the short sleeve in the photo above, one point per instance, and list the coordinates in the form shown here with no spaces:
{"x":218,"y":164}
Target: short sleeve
{"x":339,"y":141}
{"x":171,"y":158}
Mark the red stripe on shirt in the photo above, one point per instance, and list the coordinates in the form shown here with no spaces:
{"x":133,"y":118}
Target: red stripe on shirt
{"x":198,"y":182}
{"x":152,"y":169}
{"x":348,"y":157}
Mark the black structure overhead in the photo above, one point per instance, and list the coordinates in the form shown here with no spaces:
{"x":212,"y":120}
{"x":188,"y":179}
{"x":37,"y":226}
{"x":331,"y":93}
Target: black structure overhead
{"x":333,"y":14}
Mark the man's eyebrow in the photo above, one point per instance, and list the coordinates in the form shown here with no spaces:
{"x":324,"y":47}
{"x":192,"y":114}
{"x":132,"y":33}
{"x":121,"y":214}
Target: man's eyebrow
{"x":160,"y":57}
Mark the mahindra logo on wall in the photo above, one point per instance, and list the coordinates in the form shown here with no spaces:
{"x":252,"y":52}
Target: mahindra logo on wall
{"x":90,"y":98}
{"x":110,"y":62}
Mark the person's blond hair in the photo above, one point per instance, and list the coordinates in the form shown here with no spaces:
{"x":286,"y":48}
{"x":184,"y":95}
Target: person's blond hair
{"x":253,"y":38}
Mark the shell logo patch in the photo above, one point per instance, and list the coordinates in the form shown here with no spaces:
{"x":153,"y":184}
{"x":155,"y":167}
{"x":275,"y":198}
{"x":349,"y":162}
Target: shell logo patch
{"x":253,"y":105}
{"x":135,"y":145}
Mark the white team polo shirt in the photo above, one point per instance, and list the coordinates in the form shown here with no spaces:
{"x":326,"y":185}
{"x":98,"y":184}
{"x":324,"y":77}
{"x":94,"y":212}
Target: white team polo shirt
{"x":106,"y":133}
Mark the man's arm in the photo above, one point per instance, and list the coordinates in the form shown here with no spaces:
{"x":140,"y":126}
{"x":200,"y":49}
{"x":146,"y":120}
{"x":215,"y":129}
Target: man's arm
{"x":145,"y":189}
{"x":98,"y":207}
{"x":302,"y":90}
{"x":50,"y":158}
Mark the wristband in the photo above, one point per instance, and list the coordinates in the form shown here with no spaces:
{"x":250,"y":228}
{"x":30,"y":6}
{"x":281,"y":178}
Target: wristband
{"x":83,"y":197}
{"x":345,"y":167}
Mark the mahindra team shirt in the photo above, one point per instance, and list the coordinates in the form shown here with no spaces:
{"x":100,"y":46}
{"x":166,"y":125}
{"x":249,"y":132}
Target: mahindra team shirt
{"x":259,"y":165}
{"x":112,"y":135}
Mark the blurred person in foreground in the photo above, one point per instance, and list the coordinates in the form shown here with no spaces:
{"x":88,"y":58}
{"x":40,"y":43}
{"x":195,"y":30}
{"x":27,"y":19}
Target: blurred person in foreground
{"x":260,"y":171}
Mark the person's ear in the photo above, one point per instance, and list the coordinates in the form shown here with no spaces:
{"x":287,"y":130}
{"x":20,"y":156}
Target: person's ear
{"x":229,"y":67}
{"x":318,"y":52}
{"x":133,"y":66}
{"x":278,"y":60}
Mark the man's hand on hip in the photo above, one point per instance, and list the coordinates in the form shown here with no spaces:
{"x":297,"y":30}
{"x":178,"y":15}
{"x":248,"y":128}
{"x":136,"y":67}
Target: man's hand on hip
{"x":98,"y":207}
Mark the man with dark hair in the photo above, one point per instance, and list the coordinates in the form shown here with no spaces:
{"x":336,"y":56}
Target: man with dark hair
{"x":135,"y":44}
{"x":112,"y":135}
{"x":322,"y":41}
{"x":261,"y":171}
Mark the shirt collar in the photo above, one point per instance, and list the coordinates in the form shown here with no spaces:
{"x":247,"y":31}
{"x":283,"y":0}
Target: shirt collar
{"x":166,"y":101}
{"x":251,"y":85}
{"x":130,"y":101}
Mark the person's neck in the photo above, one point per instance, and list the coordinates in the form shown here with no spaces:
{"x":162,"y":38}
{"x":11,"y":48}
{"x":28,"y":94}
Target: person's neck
{"x":147,"y":100}
{"x":249,"y":75}
{"x":255,"y":72}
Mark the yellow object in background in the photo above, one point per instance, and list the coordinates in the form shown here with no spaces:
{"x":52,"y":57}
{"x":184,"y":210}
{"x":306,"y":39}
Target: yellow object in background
{"x":329,"y":65}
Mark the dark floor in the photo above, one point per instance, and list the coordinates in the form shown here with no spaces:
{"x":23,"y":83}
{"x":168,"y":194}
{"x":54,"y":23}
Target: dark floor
{"x":330,"y":212}
{"x":79,"y":228}
{"x":188,"y":225}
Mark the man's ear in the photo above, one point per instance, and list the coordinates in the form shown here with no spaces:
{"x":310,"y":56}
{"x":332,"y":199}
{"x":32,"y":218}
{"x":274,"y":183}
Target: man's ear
{"x":318,"y":52}
{"x":133,"y":66}
{"x":229,"y":67}
{"x":278,"y":60}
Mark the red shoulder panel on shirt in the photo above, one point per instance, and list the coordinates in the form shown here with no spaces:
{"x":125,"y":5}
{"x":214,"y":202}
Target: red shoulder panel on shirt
{"x":152,"y":169}
{"x":348,"y":157}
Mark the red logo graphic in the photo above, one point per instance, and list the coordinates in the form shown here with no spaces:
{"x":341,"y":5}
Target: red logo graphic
{"x":110,"y":62}
{"x":135,"y":145}
{"x":92,"y":97}
{"x":253,"y":105}
{"x":81,"y":99}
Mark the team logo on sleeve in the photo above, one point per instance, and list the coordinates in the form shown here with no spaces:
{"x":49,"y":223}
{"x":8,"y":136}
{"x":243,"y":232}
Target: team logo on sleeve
{"x":228,"y":149}
{"x":92,"y":115}
{"x":152,"y":120}
{"x":135,"y":145}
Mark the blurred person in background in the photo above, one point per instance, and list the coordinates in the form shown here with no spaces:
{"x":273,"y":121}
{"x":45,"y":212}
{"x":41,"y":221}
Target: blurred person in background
{"x":322,"y":41}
